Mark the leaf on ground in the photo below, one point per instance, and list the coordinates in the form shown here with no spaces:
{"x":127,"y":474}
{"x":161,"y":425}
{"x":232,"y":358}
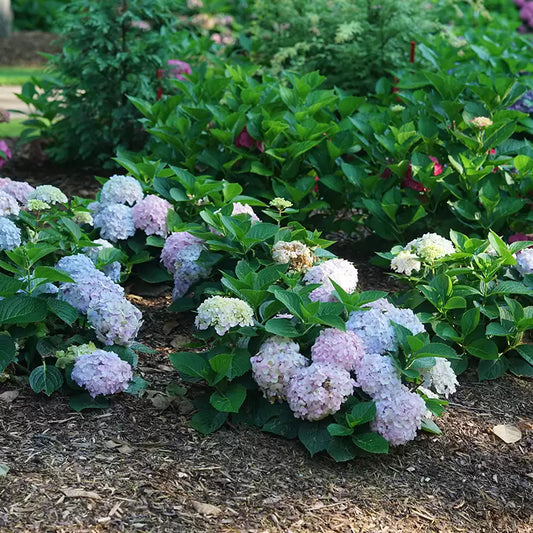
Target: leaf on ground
{"x":206,"y":508}
{"x":4,"y":469}
{"x":9,"y":396}
{"x":509,"y":434}
{"x":80,"y":493}
{"x":125,"y":449}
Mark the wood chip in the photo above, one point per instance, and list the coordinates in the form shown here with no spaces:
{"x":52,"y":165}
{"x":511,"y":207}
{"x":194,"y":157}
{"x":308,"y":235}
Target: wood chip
{"x":9,"y":396}
{"x":509,"y":434}
{"x":206,"y":508}
{"x":80,"y":493}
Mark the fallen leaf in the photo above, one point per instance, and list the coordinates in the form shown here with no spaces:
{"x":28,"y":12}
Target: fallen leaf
{"x":509,"y":434}
{"x":80,"y":493}
{"x":9,"y":396}
{"x":206,"y":508}
{"x":169,"y":326}
{"x":179,"y":340}
{"x":125,"y":449}
{"x":161,"y":402}
{"x":4,"y":469}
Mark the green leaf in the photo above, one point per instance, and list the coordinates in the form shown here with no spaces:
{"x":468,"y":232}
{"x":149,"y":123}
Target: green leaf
{"x":371,"y":442}
{"x":314,"y":436}
{"x":9,"y":285}
{"x":208,"y":420}
{"x":483,"y":349}
{"x":8,"y":351}
{"x":82,"y":401}
{"x":342,"y":449}
{"x":338,"y":430}
{"x":511,"y":287}
{"x":520,"y":367}
{"x":4,"y":469}
{"x":430,"y":427}
{"x":261,"y":232}
{"x":51,"y":274}
{"x":470,"y":321}
{"x":229,"y":400}
{"x":66,"y":312}
{"x":282,"y":327}
{"x":526,"y":351}
{"x":22,"y":309}
{"x":437,"y":349}
{"x":125,"y":353}
{"x":362,"y":413}
{"x":190,"y":364}
{"x":46,"y":379}
{"x":492,"y":369}
{"x":231,"y":365}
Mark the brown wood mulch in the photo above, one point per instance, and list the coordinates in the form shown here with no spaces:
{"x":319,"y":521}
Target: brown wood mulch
{"x":24,"y":48}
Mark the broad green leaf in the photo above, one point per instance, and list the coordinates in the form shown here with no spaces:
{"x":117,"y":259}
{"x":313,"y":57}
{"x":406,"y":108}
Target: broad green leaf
{"x":483,"y":349}
{"x":371,"y":442}
{"x":22,"y":309}
{"x":66,"y":312}
{"x":314,"y":436}
{"x":8,"y":351}
{"x":190,"y":364}
{"x":82,"y":401}
{"x":492,"y":369}
{"x":208,"y":420}
{"x":46,"y":379}
{"x":229,"y":400}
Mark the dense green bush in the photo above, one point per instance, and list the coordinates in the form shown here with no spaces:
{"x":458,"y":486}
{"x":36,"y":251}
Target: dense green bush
{"x":353,"y":44}
{"x":39,"y":15}
{"x":110,"y":50}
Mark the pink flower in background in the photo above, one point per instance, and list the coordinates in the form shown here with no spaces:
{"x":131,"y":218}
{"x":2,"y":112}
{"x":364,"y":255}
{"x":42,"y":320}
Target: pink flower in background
{"x":437,"y":167}
{"x":179,"y":69}
{"x":4,"y":148}
{"x":519,"y":237}
{"x":245,"y":140}
{"x":141,"y":25}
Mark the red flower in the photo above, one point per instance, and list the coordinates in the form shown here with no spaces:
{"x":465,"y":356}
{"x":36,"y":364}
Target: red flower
{"x":437,"y":167}
{"x":386,"y":174}
{"x":411,"y":183}
{"x":245,"y":140}
{"x":519,"y":237}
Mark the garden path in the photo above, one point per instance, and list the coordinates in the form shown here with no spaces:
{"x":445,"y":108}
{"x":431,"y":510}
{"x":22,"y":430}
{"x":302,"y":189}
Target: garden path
{"x":8,"y":100}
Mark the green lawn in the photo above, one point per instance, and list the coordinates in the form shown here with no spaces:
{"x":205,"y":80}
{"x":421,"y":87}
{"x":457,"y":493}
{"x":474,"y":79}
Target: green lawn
{"x":12,"y":128}
{"x":17,"y":75}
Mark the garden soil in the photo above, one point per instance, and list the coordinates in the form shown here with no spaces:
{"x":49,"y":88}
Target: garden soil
{"x":139,"y":467}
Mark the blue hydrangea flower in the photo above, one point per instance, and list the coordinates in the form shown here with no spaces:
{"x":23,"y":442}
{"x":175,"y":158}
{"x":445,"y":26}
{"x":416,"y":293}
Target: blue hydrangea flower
{"x":9,"y":235}
{"x":121,"y":190}
{"x":115,"y":222}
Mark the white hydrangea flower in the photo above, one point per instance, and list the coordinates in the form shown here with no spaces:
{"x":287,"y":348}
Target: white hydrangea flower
{"x":121,"y":190}
{"x":431,"y":246}
{"x":223,"y":314}
{"x":405,"y":263}
{"x":342,"y":272}
{"x":441,"y":377}
{"x":296,"y":254}
{"x":524,"y":261}
{"x":48,"y":194}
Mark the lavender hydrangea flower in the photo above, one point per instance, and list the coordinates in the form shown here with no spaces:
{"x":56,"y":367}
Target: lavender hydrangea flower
{"x":374,"y":326}
{"x":342,"y":272}
{"x":111,"y":270}
{"x":240,"y":209}
{"x":20,"y":190}
{"x":8,"y":205}
{"x":318,"y":390}
{"x":441,"y":378}
{"x":276,"y":362}
{"x":399,"y":417}
{"x":115,"y":222}
{"x":524,"y":261}
{"x":150,"y":215}
{"x":340,"y":348}
{"x":223,"y":314}
{"x":115,"y":320}
{"x":121,"y":190}
{"x":102,"y":373}
{"x":377,"y":376}
{"x":48,"y":194}
{"x":9,"y":235}
{"x":176,"y":248}
{"x":188,"y":272}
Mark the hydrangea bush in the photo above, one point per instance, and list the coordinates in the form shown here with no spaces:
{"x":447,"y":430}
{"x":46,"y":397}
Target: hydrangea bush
{"x":290,"y":344}
{"x":474,"y":294}
{"x":64,"y":323}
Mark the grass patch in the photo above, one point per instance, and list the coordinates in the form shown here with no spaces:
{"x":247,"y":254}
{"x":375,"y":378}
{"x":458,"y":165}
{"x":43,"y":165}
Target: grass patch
{"x":12,"y":128}
{"x":18,"y":75}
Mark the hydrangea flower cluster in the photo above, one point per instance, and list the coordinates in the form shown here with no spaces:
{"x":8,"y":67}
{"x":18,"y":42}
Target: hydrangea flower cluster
{"x":342,"y":272}
{"x":121,"y":190}
{"x":399,"y":417}
{"x":340,"y":348}
{"x":20,"y":190}
{"x":374,"y":326}
{"x":150,"y":215}
{"x":275,"y":364}
{"x":223,"y":314}
{"x":244,"y":209}
{"x":115,"y":222}
{"x":8,"y":205}
{"x":9,"y":235}
{"x":69,"y":356}
{"x":83,"y":217}
{"x":180,"y":255}
{"x":441,"y":378}
{"x":318,"y":390}
{"x":37,"y":205}
{"x":524,"y":261}
{"x":111,"y":270}
{"x":405,"y":262}
{"x":102,"y":373}
{"x":49,"y":194}
{"x":296,"y":254}
{"x":115,"y":320}
{"x":430,"y":247}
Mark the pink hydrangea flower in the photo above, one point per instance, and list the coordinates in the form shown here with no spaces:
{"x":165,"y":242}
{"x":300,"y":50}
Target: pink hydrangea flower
{"x":437,"y":167}
{"x":340,"y":348}
{"x":150,"y":215}
{"x":245,"y":140}
{"x":4,"y":158}
{"x":18,"y":189}
{"x":179,"y":69}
